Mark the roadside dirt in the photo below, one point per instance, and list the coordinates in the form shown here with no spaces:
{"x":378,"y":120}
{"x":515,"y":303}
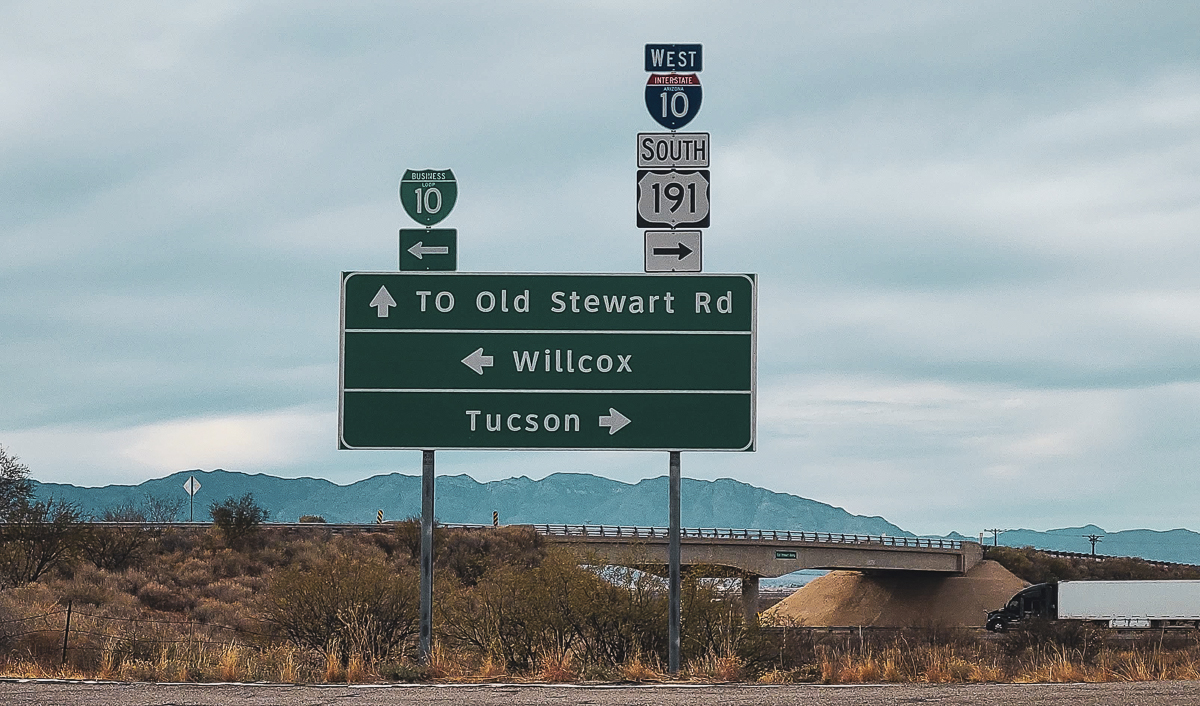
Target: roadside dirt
{"x":842,"y":598}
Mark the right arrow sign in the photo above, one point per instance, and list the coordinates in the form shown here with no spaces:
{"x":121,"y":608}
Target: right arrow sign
{"x":673,"y":251}
{"x":614,"y":421}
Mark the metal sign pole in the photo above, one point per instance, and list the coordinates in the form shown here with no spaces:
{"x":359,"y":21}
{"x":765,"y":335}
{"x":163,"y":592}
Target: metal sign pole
{"x":675,"y":619}
{"x":425,"y":648}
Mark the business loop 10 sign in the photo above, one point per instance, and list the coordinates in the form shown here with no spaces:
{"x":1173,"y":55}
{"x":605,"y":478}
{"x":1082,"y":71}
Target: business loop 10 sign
{"x":673,"y":99}
{"x":435,"y":360}
{"x":428,"y":195}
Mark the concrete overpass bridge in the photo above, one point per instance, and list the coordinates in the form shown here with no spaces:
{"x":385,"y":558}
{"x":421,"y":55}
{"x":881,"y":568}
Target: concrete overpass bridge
{"x":751,"y":554}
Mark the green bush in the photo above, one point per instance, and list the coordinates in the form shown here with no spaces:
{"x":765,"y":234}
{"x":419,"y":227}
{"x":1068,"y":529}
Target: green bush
{"x":238,"y":520}
{"x":344,"y":604}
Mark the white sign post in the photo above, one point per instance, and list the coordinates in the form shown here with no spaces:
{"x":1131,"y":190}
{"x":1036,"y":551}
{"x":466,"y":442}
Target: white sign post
{"x":191,"y":485}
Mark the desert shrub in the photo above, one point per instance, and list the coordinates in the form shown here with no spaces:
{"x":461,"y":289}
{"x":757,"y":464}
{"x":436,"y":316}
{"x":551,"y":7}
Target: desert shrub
{"x":345,"y":604}
{"x":238,"y":520}
{"x":312,"y":518}
{"x":117,"y":548}
{"x":515,"y":615}
{"x":527,"y":617}
{"x":711,"y":619}
{"x":192,"y":571}
{"x":156,"y":596}
{"x":37,"y":538}
{"x":228,"y":563}
{"x":89,"y":585}
{"x":403,"y":671}
{"x":16,"y":490}
{"x":468,"y":554}
{"x":783,"y":649}
{"x":226,"y":591}
{"x":1038,"y":567}
{"x":1037,"y":633}
{"x":215,"y":612}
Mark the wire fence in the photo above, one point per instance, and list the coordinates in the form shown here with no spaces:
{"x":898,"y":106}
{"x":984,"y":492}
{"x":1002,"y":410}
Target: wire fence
{"x":74,"y":624}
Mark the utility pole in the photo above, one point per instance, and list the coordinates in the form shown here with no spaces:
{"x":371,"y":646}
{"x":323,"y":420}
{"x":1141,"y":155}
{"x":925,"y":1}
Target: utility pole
{"x":995,"y":535}
{"x":1093,"y":538}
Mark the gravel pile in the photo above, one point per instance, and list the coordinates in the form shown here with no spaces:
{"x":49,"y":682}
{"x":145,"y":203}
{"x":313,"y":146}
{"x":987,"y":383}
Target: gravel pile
{"x":842,"y":598}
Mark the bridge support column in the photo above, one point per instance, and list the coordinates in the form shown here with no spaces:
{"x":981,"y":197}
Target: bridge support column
{"x":750,"y":599}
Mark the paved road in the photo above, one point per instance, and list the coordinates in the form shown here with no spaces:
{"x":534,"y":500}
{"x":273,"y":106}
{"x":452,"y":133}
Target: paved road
{"x":14,"y":693}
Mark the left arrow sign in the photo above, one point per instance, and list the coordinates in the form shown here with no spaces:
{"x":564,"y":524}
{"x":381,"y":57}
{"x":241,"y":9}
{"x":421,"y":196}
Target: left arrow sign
{"x":477,"y":361}
{"x":382,"y":302}
{"x":420,"y":250}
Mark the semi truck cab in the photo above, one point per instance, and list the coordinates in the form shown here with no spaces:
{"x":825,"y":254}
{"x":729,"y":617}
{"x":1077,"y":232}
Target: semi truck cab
{"x":1037,"y":601}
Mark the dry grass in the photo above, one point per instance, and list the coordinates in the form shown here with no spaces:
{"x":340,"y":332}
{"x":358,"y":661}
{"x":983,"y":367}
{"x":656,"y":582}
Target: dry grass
{"x":896,"y":663}
{"x":639,"y":669}
{"x":715,"y":667}
{"x":192,"y":612}
{"x":356,"y":669}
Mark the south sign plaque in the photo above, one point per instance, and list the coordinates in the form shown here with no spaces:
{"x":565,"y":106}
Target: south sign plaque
{"x":683,"y":150}
{"x":434,"y":360}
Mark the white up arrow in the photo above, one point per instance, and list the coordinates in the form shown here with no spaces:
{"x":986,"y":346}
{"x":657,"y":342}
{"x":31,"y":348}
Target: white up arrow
{"x":614,"y":420}
{"x":419,"y":250}
{"x":382,"y":301}
{"x":477,"y":361}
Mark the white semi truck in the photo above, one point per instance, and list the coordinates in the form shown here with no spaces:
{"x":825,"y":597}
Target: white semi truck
{"x":1129,"y":604}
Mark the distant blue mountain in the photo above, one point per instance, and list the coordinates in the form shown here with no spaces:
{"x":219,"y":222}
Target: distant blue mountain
{"x":577,"y":498}
{"x":562,"y":498}
{"x":1177,"y":545}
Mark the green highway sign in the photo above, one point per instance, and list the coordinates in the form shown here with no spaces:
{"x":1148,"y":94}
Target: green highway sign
{"x":428,"y":249}
{"x":439,"y":360}
{"x":428,"y":195}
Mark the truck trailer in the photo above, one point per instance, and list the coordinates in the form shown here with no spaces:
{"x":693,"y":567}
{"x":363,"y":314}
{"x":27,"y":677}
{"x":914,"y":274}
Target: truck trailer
{"x":1117,"y":604}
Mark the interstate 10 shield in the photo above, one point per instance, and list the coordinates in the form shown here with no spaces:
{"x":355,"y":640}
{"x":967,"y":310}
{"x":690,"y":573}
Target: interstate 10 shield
{"x":428,"y":195}
{"x":673,"y":99}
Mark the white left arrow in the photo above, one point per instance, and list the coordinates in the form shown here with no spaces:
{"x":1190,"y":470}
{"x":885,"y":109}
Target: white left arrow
{"x":420,"y":250}
{"x":382,"y":301}
{"x":477,"y":361}
{"x":614,"y":420}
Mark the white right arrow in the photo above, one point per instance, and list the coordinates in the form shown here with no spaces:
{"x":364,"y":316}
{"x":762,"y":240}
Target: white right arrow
{"x":419,"y":250}
{"x":477,"y":361}
{"x":382,"y":301}
{"x":614,"y":420}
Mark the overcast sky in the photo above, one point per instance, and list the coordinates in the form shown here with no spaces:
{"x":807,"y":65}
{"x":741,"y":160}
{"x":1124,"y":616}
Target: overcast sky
{"x":975,"y":227}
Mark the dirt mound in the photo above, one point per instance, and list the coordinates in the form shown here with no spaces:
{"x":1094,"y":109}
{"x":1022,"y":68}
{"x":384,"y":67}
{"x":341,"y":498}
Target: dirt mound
{"x":899,"y":600}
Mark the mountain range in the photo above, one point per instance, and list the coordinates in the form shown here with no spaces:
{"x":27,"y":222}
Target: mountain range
{"x":561,"y":498}
{"x":577,"y":498}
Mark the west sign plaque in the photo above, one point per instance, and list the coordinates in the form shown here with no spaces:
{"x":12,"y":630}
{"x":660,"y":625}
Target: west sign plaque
{"x":440,"y":360}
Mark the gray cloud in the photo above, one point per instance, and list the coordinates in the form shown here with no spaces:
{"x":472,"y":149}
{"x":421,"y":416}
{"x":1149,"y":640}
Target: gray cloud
{"x":974,"y":226}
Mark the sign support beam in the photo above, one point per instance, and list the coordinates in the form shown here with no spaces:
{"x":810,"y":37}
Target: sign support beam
{"x":425,"y":648}
{"x":673,"y":559}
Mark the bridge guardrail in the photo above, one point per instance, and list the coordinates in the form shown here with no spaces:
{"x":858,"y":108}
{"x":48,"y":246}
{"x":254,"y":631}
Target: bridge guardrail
{"x":761,"y":535}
